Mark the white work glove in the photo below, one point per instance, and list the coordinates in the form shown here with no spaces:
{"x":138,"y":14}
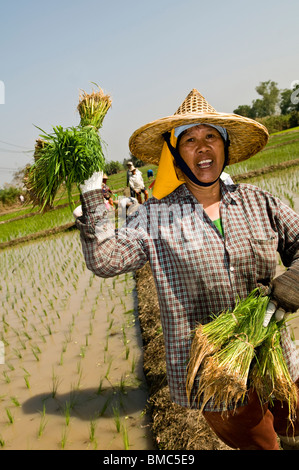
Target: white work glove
{"x":273,"y":309}
{"x":78,"y":212}
{"x":94,"y":182}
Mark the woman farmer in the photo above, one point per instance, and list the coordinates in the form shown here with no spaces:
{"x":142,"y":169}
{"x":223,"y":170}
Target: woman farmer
{"x":207,"y":243}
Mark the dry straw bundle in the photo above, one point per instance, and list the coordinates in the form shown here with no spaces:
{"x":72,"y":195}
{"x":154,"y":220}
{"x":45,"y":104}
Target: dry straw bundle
{"x":234,"y":352}
{"x":93,"y":108}
{"x":68,"y":156}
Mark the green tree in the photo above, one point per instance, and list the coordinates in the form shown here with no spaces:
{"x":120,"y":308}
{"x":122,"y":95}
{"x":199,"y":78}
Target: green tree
{"x":268,"y":104}
{"x":245,"y":110}
{"x":111,"y":168}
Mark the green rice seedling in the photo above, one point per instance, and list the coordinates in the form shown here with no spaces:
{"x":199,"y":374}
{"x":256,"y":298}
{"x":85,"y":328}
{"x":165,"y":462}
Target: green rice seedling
{"x":129,"y":312}
{"x":26,"y":378}
{"x":133,"y":364}
{"x":55,"y":383}
{"x":122,"y":384}
{"x":108,"y":369}
{"x":15,"y":401}
{"x":27,"y":335}
{"x":111,"y":323}
{"x":92,"y":429}
{"x":67,"y":412}
{"x":4,"y":341}
{"x":64,"y":437}
{"x":17,"y":353}
{"x":105,"y":406}
{"x":6,"y":377}
{"x":116,"y":418}
{"x":125,"y":436}
{"x":61,"y":359}
{"x":73,"y":398}
{"x":79,"y":380}
{"x":26,"y":371}
{"x":82,"y":351}
{"x":107,"y":342}
{"x":49,"y":329}
{"x":100,"y":387}
{"x":35,"y":353}
{"x":125,"y":341}
{"x":42,"y":337}
{"x":79,"y":367}
{"x":22,"y":343}
{"x":43,"y":422}
{"x":270,"y":375}
{"x":9,"y":415}
{"x":2,"y":442}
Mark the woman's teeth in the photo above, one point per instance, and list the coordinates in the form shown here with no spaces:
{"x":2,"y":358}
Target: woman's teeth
{"x":205,"y":163}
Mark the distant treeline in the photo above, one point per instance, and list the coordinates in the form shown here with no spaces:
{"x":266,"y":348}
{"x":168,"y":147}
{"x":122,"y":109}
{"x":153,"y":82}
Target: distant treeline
{"x":276,"y":109}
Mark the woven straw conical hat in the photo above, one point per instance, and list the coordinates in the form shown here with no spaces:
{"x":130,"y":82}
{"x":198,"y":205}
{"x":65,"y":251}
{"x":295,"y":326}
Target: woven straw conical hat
{"x":247,"y":137}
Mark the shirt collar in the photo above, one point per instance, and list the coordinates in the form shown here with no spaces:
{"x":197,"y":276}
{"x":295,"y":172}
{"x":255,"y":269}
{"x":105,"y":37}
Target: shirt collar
{"x":228,"y":193}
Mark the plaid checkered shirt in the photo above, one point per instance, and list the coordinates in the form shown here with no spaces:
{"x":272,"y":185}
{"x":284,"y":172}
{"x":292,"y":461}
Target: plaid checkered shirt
{"x":197,"y":271}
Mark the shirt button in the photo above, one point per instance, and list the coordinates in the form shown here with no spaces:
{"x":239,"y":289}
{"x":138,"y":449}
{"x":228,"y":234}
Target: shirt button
{"x":231,"y":269}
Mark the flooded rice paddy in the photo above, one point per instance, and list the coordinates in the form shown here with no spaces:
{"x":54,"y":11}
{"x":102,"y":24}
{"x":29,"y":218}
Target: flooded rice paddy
{"x":72,"y":375}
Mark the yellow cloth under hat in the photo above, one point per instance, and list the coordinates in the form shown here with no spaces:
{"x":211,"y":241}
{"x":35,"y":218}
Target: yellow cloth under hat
{"x":166,"y":179}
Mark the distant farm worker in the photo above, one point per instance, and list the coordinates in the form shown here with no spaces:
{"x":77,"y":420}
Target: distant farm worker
{"x":129,"y":174}
{"x":150,"y":174}
{"x":208,"y":243}
{"x":107,"y":193}
{"x":137,"y":185}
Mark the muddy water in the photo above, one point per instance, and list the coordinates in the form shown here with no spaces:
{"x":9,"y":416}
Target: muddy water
{"x":72,"y":376}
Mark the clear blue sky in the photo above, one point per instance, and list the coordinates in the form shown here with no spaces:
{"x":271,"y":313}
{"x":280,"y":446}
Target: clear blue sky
{"x":147,"y":55}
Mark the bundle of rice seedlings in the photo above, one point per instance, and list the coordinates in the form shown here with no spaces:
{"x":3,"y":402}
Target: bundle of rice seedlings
{"x":270,"y":376}
{"x":68,"y":157}
{"x":33,"y":181}
{"x":210,"y":337}
{"x":225,"y":374}
{"x":93,"y":108}
{"x":247,"y":354}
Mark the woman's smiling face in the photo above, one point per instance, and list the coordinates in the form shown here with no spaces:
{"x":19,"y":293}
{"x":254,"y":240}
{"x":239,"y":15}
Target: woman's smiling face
{"x":202,"y":149}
